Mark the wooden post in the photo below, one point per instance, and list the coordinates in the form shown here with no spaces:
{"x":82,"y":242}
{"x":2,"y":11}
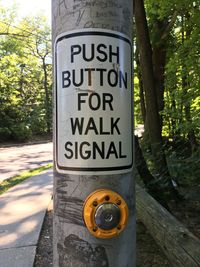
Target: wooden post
{"x":93,"y":147}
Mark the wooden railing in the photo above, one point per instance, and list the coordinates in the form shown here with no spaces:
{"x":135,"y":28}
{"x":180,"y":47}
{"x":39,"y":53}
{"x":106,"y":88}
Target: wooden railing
{"x":180,"y":246}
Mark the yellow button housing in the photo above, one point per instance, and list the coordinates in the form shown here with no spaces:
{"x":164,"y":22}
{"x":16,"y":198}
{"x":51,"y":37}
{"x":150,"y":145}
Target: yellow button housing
{"x":94,"y":202}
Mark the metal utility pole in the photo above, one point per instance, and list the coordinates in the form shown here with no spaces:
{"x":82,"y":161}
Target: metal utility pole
{"x":94,"y":198}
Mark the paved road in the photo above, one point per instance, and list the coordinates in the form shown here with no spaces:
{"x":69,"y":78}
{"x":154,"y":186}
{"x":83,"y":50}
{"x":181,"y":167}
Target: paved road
{"x":14,"y":160}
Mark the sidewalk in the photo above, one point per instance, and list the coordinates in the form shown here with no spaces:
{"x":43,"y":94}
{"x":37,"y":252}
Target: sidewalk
{"x":22,"y":211}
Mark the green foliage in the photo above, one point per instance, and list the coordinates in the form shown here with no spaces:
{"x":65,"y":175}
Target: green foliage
{"x":174,"y":29}
{"x":185,"y":170}
{"x":182,"y":77}
{"x":20,"y":132}
{"x":38,"y":124}
{"x":182,"y":81}
{"x":25,"y":76}
{"x":5,"y":134}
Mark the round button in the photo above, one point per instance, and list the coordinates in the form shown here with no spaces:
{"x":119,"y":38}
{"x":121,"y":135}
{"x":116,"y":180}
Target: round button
{"x":107,"y":216}
{"x":105,"y":213}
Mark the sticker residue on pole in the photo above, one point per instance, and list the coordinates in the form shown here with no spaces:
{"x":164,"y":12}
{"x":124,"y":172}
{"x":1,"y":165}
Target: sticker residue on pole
{"x":93,"y":81}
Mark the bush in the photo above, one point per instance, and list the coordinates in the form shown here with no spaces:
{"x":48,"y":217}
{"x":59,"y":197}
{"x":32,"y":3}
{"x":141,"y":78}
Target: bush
{"x":38,"y":125}
{"x":21,"y":132}
{"x":5,"y":134}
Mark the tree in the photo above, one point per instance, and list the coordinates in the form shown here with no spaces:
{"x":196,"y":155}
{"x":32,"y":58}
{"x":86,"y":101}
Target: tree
{"x":25,"y":77}
{"x":149,"y":84}
{"x":40,"y":46}
{"x":182,"y":75}
{"x":167,"y":63}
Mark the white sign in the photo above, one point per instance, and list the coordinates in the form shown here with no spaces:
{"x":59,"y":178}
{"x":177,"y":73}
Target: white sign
{"x":94,"y":132}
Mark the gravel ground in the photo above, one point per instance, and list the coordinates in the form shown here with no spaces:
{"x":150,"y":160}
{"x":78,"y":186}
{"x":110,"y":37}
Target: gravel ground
{"x":44,"y":254}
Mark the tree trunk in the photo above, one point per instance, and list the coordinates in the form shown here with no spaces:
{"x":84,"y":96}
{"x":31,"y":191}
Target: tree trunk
{"x":149,"y":84}
{"x":159,"y":60}
{"x":141,"y":165}
{"x":47,"y":99}
{"x":141,"y":89}
{"x":161,"y":30}
{"x":153,"y":120}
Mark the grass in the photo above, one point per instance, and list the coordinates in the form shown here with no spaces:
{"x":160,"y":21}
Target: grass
{"x":7,"y":184}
